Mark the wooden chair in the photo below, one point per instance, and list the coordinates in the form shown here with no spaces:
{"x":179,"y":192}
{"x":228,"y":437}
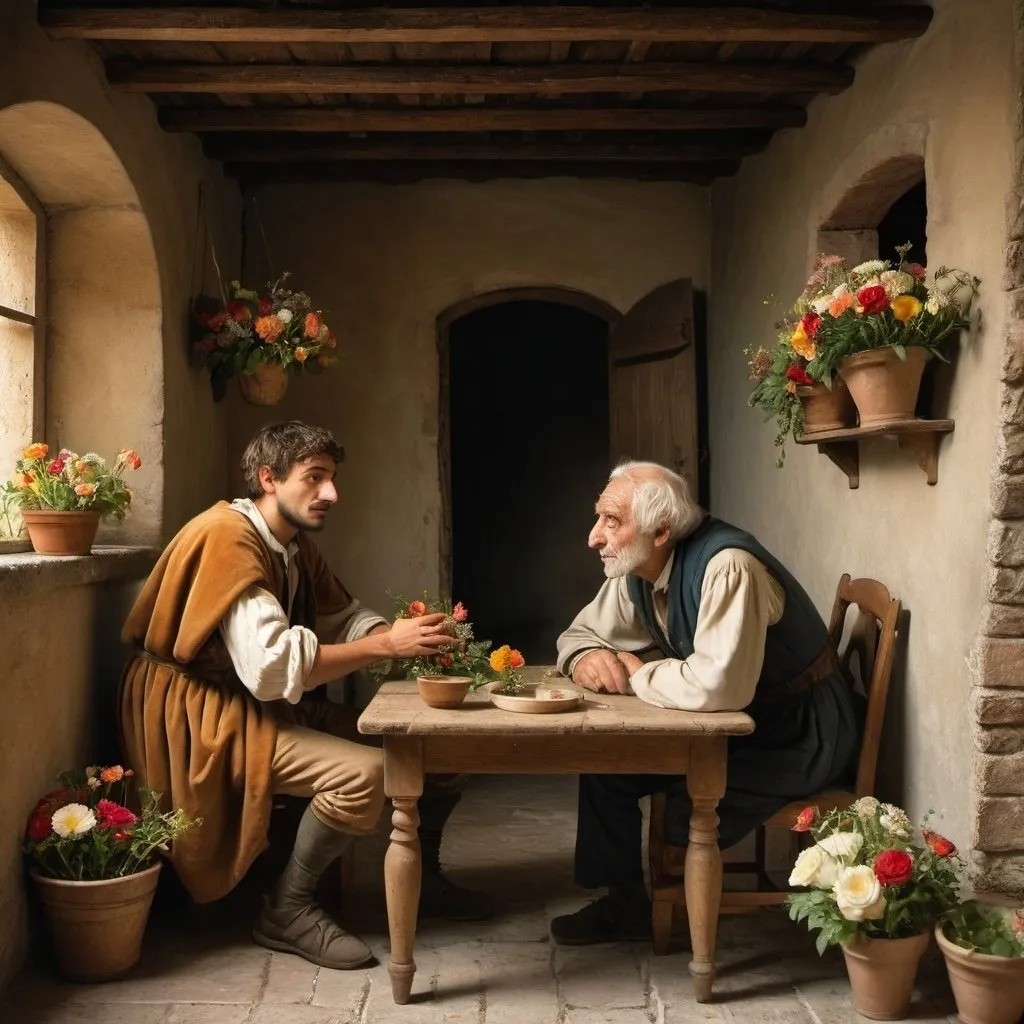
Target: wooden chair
{"x":872,"y":642}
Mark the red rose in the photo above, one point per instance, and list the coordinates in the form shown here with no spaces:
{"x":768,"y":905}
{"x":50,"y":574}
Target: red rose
{"x":112,"y":815}
{"x":265,"y":306}
{"x":39,"y":826}
{"x":799,"y":375}
{"x":56,"y":467}
{"x":445,"y":660}
{"x":811,"y":322}
{"x":915,"y":270}
{"x":805,"y":820}
{"x":893,"y":867}
{"x":939,"y":845}
{"x":417,"y":608}
{"x":240,"y":310}
{"x":873,"y":299}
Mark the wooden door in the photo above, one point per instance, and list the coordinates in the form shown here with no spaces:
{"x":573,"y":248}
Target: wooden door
{"x":653,"y":382}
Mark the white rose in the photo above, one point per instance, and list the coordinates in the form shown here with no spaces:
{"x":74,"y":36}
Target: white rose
{"x":859,"y":894}
{"x":814,"y":867}
{"x":842,"y":844}
{"x":285,"y":316}
{"x":820,"y":306}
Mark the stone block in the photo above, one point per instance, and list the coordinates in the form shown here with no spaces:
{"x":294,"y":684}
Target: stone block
{"x":1007,"y":495}
{"x":1013,"y":265}
{"x":1001,"y":873}
{"x":1005,"y":739}
{"x":998,"y":707}
{"x":1006,"y":542}
{"x":600,"y":977}
{"x":999,"y":824}
{"x":1015,"y":214}
{"x":291,"y":979}
{"x":999,"y":774}
{"x":1005,"y":585}
{"x":1002,"y":620}
{"x":998,"y":662}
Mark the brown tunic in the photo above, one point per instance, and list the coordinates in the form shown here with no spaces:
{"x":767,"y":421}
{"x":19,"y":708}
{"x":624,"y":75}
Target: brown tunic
{"x":188,"y":726}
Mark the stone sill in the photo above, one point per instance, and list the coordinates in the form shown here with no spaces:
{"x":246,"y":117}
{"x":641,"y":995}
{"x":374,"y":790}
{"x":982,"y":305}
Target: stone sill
{"x":27,"y":572}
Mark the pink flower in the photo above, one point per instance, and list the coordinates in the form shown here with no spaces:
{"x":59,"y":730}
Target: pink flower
{"x":459,"y":612}
{"x":113,"y":815}
{"x":417,"y":608}
{"x":56,"y":467}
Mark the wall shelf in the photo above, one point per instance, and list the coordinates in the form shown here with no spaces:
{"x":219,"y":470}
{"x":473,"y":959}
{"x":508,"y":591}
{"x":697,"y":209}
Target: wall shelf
{"x":919,"y":438}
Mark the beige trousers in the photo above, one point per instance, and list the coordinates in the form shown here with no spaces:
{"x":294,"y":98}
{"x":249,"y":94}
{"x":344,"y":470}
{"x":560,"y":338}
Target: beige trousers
{"x":319,"y":754}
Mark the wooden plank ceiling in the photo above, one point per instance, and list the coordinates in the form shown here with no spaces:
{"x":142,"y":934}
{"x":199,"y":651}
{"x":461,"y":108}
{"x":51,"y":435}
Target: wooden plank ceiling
{"x":300,"y":90}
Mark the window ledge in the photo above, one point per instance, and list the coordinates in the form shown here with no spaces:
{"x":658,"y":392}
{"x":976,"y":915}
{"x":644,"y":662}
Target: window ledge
{"x":27,"y":572}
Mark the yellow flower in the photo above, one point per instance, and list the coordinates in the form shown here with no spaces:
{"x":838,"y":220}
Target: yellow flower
{"x":905,"y":307}
{"x":85,"y":490}
{"x":802,"y":344}
{"x":501,"y":659}
{"x":36,"y":451}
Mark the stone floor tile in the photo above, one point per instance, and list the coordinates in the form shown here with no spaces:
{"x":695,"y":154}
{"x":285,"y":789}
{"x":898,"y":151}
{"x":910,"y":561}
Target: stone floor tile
{"x":208,"y":1013}
{"x":607,"y":1017}
{"x":290,"y":979}
{"x":345,"y":991}
{"x":281,"y":1014}
{"x":56,"y":1012}
{"x":518,"y":984}
{"x":604,"y":977}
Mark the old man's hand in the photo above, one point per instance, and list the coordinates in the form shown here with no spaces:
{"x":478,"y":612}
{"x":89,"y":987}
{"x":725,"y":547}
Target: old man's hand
{"x":602,"y":672}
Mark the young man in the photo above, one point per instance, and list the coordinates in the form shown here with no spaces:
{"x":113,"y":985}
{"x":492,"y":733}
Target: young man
{"x":696,"y":615}
{"x":240,"y":620}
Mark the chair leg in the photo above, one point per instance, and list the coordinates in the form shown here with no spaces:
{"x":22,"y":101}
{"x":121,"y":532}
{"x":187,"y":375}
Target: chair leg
{"x":661,"y":925}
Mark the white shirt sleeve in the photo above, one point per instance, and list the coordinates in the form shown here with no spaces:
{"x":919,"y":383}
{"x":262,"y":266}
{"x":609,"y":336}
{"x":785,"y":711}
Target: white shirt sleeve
{"x":739,"y":601}
{"x":272,"y":658}
{"x":609,"y":621}
{"x":352,"y":623}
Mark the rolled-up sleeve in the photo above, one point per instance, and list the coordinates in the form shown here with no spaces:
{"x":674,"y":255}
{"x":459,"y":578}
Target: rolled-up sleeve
{"x":272,"y":658}
{"x":610,"y":621}
{"x":739,"y":601}
{"x":353,"y":622}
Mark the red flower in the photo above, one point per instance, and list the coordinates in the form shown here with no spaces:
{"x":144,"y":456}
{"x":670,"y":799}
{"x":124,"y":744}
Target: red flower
{"x":799,"y":375}
{"x":122,"y":837}
{"x":811,"y":322}
{"x":417,"y":608}
{"x":39,"y":826}
{"x":56,"y":467}
{"x":805,"y":820}
{"x":112,"y":815}
{"x":445,"y":660}
{"x":893,"y":867}
{"x":265,"y":306}
{"x":939,"y":845}
{"x":873,"y":299}
{"x":915,"y":270}
{"x":240,"y":310}
{"x":459,"y":612}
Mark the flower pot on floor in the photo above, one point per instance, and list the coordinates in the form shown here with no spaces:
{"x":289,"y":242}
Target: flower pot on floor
{"x":61,"y":533}
{"x":96,"y":928}
{"x":884,"y":387}
{"x":882,"y":973}
{"x":988,"y":989}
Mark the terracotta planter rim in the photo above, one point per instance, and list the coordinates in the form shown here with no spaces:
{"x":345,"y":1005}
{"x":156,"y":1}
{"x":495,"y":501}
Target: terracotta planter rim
{"x":885,"y":352}
{"x":447,"y":679}
{"x":948,"y":946}
{"x":59,"y":512}
{"x":97,"y":882}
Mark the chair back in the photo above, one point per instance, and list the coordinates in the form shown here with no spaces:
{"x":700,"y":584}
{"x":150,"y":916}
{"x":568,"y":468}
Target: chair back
{"x":872,"y":642}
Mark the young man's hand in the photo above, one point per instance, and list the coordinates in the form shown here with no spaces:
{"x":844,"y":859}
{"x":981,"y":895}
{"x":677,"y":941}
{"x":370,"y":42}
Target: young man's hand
{"x":416,"y":637}
{"x":602,"y":672}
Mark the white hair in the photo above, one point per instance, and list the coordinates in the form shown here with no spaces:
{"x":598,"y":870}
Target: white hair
{"x":660,"y":498}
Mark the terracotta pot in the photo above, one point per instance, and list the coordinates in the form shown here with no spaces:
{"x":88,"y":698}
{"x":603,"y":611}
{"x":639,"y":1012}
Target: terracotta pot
{"x":96,"y":928}
{"x":443,"y":691}
{"x":61,"y":533}
{"x":882,"y":973}
{"x":884,"y":386}
{"x":827,"y":408}
{"x":266,"y":385}
{"x":987,"y":989}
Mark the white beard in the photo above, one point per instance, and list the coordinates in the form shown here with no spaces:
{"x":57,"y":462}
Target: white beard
{"x":629,"y":559}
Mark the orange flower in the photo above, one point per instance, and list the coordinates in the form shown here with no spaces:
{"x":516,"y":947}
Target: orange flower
{"x":505,"y":658}
{"x":939,"y":845}
{"x":37,"y":450}
{"x":115,"y":773}
{"x":516,"y":660}
{"x":790,"y":387}
{"x":129,"y":457}
{"x":905,"y":307}
{"x":269,"y":328}
{"x":85,"y":490}
{"x":417,"y":608}
{"x":311,"y":327}
{"x":803,"y":344}
{"x":805,"y":819}
{"x":839,"y":306}
{"x":26,"y":480}
{"x":300,"y":354}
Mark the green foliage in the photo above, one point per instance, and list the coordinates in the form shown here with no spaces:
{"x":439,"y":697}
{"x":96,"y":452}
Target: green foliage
{"x":995,"y":931}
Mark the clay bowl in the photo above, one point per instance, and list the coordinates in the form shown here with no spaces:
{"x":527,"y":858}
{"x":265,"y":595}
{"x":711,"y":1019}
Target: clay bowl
{"x":443,"y":691}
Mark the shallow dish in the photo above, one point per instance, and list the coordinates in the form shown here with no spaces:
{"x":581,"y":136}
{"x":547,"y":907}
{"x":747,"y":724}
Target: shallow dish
{"x":537,"y":699}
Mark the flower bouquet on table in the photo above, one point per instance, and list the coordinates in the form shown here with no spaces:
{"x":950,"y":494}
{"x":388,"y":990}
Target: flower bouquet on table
{"x":261,"y":338}
{"x":877,"y":894}
{"x":95,"y":862}
{"x":465,"y":664}
{"x":62,"y":498}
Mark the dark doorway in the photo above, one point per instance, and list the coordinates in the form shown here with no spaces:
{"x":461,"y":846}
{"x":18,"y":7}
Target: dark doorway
{"x":528,"y":409}
{"x":906,"y":221}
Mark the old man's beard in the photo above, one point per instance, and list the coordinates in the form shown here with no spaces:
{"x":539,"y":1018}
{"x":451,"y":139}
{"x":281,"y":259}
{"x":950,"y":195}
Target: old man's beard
{"x":628,"y":559}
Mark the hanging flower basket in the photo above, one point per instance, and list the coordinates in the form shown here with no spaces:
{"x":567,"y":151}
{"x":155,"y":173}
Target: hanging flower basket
{"x":260,"y":336}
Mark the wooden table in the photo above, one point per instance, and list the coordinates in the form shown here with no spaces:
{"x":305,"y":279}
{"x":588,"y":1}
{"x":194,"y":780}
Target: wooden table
{"x":610,"y":734}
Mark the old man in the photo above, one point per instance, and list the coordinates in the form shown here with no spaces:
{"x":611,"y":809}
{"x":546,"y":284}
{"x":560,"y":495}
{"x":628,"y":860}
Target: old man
{"x":239,"y":623}
{"x":695,"y":614}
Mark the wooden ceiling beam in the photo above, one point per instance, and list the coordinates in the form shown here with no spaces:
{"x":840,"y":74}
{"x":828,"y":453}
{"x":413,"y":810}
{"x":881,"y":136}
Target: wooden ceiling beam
{"x":474,"y":119}
{"x":484,"y":24}
{"x":760,"y":77}
{"x":343,"y":152}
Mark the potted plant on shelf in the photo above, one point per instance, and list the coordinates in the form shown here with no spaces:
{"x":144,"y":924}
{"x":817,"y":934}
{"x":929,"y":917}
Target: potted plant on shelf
{"x":95,"y":863}
{"x":876,"y":894}
{"x":62,"y":499}
{"x":877,"y":323}
{"x":260,"y":339}
{"x":983,"y":946}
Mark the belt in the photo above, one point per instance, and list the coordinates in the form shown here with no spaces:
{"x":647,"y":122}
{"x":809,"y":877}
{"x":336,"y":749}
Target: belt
{"x":823,"y":666}
{"x":175,"y":666}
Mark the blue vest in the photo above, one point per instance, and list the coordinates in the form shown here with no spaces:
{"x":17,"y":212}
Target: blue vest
{"x":792,"y":645}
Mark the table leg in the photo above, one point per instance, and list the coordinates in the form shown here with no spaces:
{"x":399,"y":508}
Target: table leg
{"x":403,"y":783}
{"x":705,"y":782}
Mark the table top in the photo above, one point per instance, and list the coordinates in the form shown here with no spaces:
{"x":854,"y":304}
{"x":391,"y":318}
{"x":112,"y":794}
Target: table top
{"x":398,"y":709}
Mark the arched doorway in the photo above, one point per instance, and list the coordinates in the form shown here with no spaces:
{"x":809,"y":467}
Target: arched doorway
{"x":525,"y":451}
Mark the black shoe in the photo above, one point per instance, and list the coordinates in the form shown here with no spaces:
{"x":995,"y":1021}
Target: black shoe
{"x":441,"y":898}
{"x":608,"y":919}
